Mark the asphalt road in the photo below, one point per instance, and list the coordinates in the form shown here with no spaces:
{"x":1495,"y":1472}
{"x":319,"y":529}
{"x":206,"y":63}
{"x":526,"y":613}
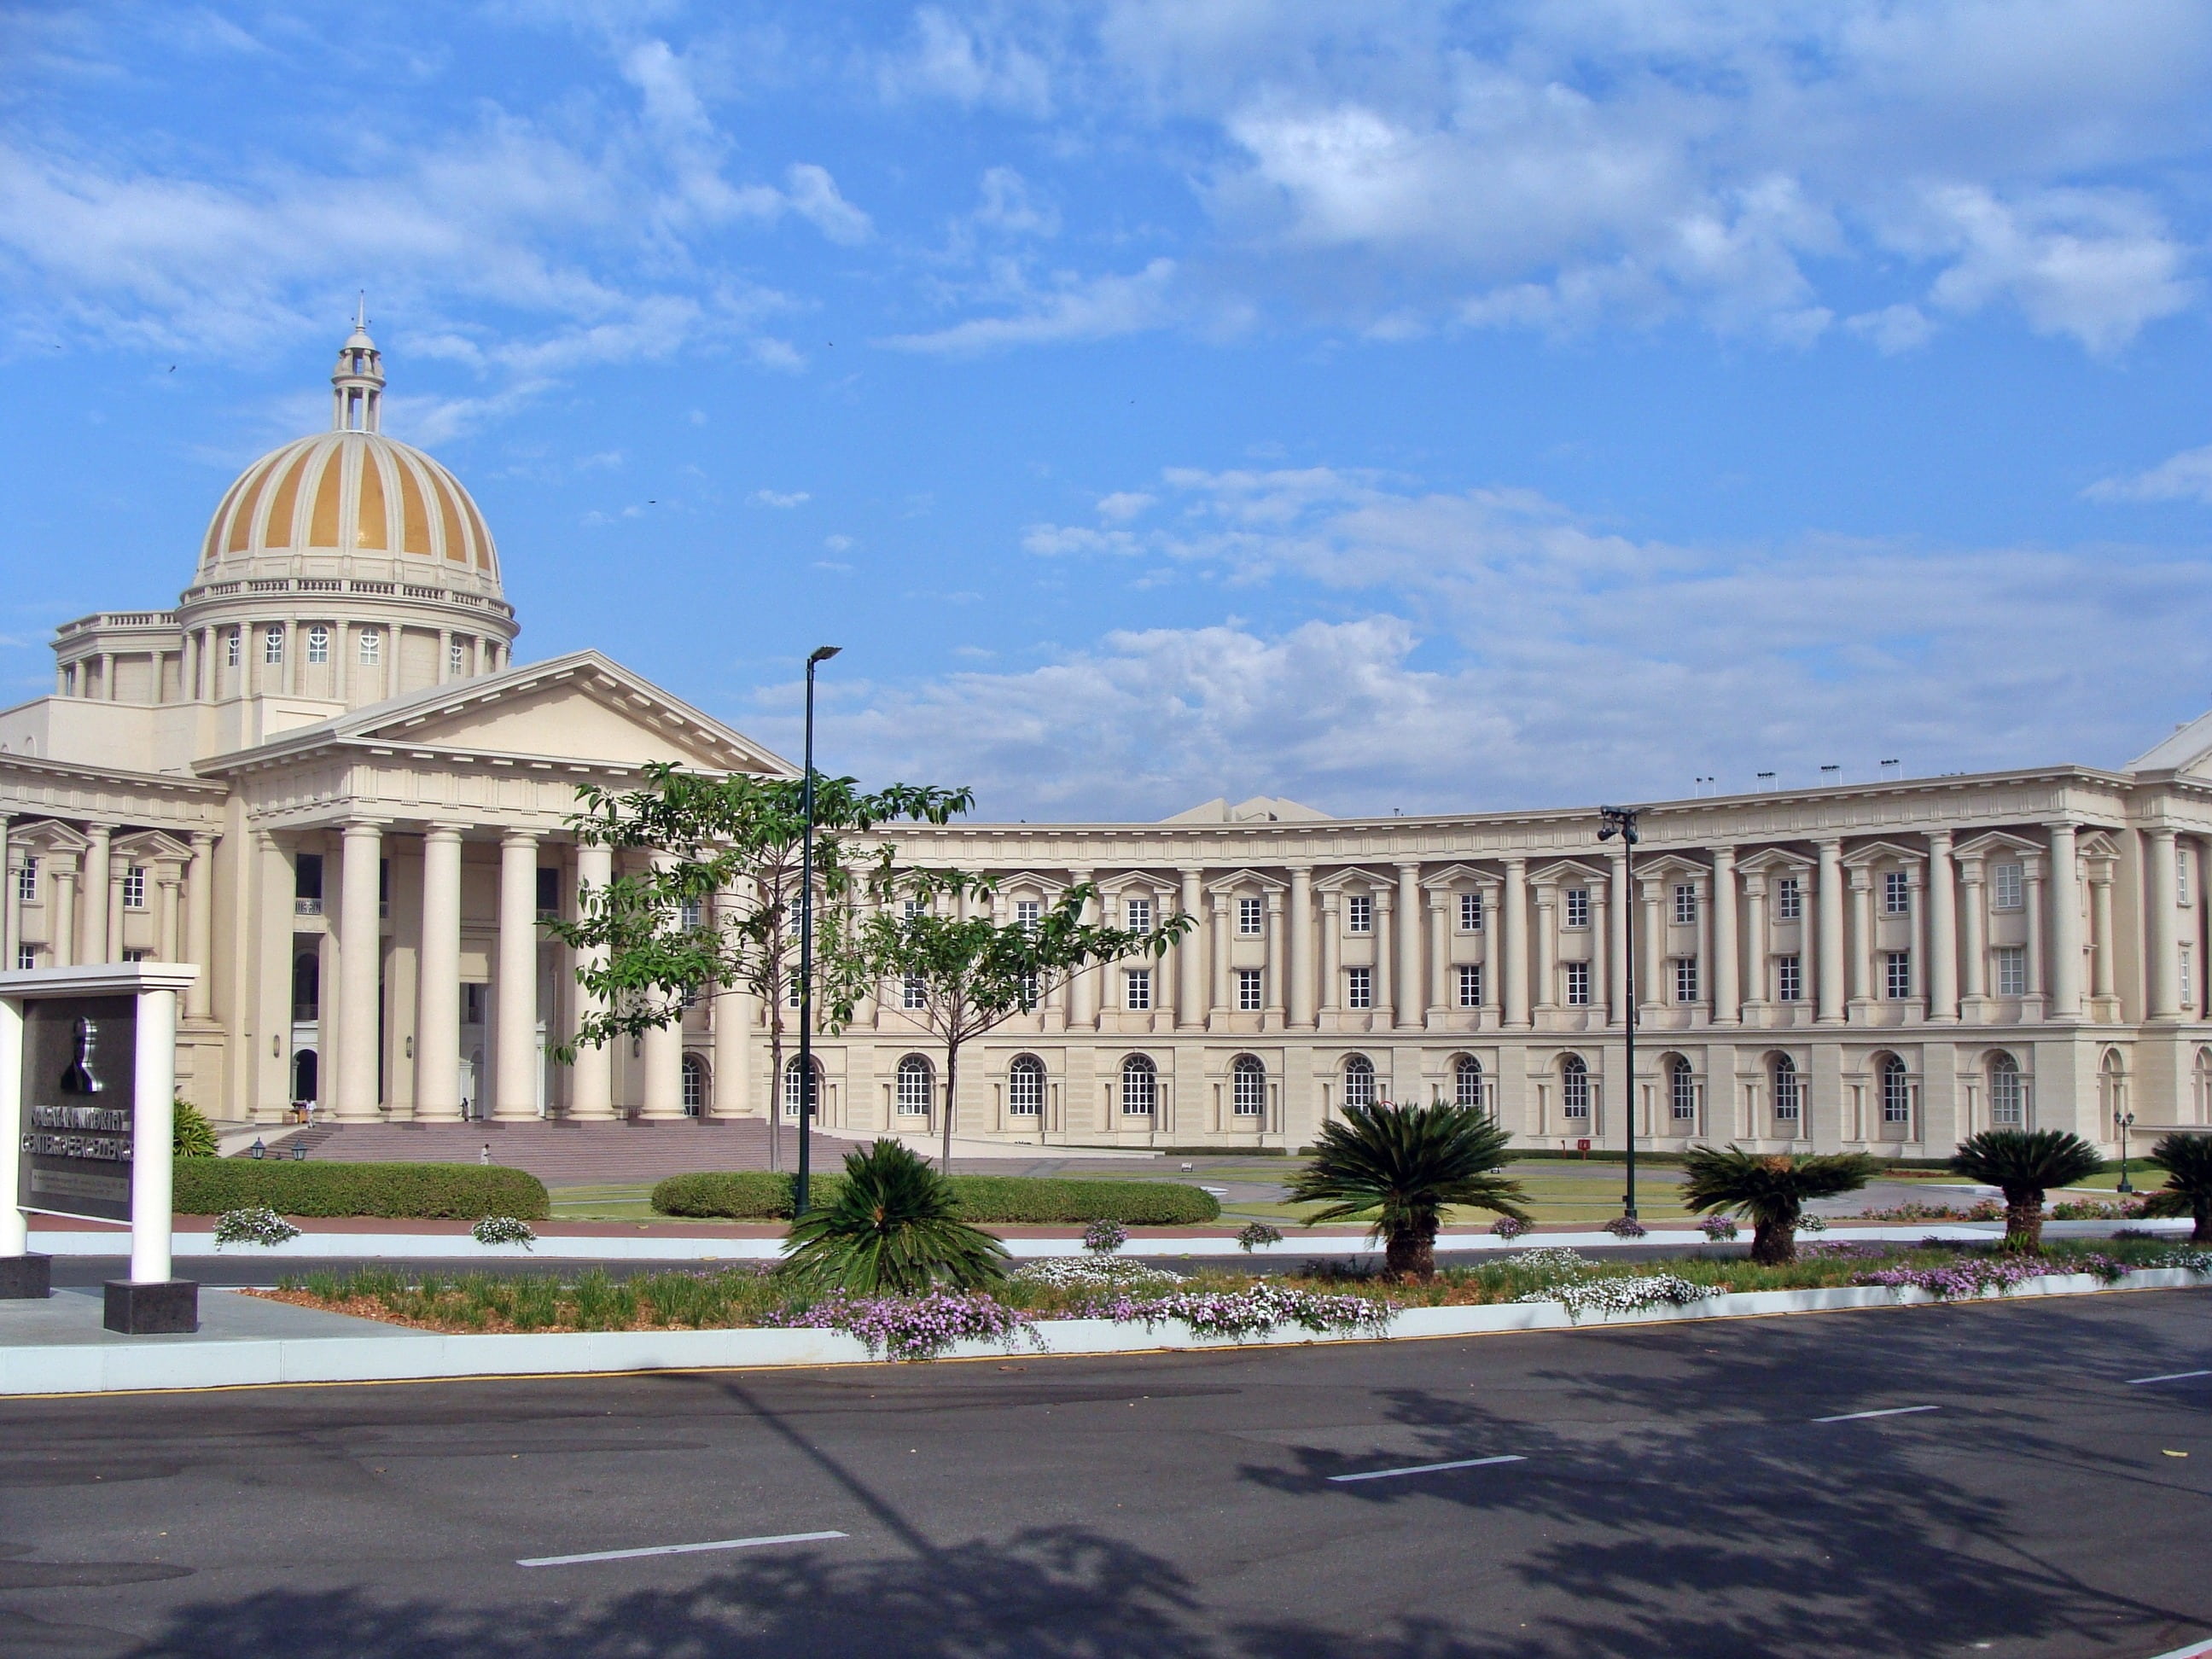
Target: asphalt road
{"x":1675,"y":1496}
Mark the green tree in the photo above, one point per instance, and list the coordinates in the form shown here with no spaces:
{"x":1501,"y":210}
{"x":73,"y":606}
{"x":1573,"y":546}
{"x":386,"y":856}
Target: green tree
{"x":891,"y":1225}
{"x":2187,"y":1161}
{"x":1399,"y":1167}
{"x":962,"y":976}
{"x":2024,"y":1165}
{"x":718,"y":903}
{"x":1771,"y":1188}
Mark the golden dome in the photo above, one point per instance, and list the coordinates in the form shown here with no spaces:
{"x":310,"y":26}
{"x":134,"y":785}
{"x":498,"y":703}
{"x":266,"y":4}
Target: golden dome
{"x":348,"y":492}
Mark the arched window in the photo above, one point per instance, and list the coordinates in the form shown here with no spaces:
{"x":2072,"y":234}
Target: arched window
{"x":1141,"y":1086}
{"x":1467,"y":1082}
{"x":1248,"y":1087}
{"x":2204,"y":1085}
{"x":1788,"y":1097}
{"x":695,"y":1085}
{"x":272,"y":643}
{"x":371,"y":647}
{"x":1896,"y":1092}
{"x":2008,"y":1095}
{"x":304,"y":1078}
{"x":1681,"y":1090}
{"x":319,"y":643}
{"x":1025,"y":1086}
{"x":913,"y":1094}
{"x":307,"y":987}
{"x":1359,"y":1081}
{"x":791,"y":1088}
{"x":1574,"y":1087}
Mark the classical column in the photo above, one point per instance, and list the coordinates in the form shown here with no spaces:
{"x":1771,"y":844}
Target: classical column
{"x":1622,"y":953}
{"x":1384,"y":980}
{"x":1756,"y":954}
{"x":2065,"y":924}
{"x":1547,"y":946}
{"x":1600,"y":950}
{"x":92,"y":921}
{"x":1190,"y":966}
{"x":1651,"y":964}
{"x":438,"y":974}
{"x":1410,"y":1003}
{"x":1726,"y":992}
{"x":199,"y":925}
{"x":1440,"y":990}
{"x":165,"y":877}
{"x":1332,"y":951}
{"x":514,"y":1071}
{"x":1862,"y":948}
{"x":2161,"y":904}
{"x":11,"y":906}
{"x":1829,"y":987}
{"x":1083,"y":988}
{"x":1272,"y":1016}
{"x":1302,"y":1003}
{"x":1493,"y":991}
{"x":2102,"y":981}
{"x":1973,"y":951}
{"x":291,"y":677}
{"x":733,"y":1025}
{"x":1942,"y":933}
{"x":591,"y":1082}
{"x":663,"y":1047}
{"x":2032,"y":878}
{"x":1217,"y":1012}
{"x":444,"y":654}
{"x":61,"y":913}
{"x":115,"y":875}
{"x":352,"y":1088}
{"x":1513,"y":944}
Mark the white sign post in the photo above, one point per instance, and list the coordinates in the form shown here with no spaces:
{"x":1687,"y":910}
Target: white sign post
{"x":87,"y":1085}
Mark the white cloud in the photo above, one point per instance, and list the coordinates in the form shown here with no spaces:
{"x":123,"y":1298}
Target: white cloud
{"x":2185,"y":477}
{"x":775,"y":498}
{"x":1893,"y":329}
{"x":970,"y":62}
{"x":1123,"y":505}
{"x":1076,"y":308}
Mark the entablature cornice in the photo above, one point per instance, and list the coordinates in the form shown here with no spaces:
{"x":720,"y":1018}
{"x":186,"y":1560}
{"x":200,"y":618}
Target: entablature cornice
{"x":32,"y":787}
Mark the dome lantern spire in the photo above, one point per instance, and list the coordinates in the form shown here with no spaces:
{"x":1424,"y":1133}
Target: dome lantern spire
{"x":357,"y":383}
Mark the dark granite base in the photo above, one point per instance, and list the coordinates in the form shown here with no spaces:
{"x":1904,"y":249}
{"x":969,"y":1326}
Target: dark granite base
{"x":169,"y":1309}
{"x":25,"y":1277}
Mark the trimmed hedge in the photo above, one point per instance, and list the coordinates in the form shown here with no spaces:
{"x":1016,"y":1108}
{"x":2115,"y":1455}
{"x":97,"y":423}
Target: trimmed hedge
{"x":414,"y":1192}
{"x":758,"y":1195}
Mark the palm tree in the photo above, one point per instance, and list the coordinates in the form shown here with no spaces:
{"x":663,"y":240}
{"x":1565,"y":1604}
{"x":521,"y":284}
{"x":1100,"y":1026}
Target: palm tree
{"x":2025,"y":1164}
{"x":1399,"y":1167}
{"x":1771,"y":1188}
{"x":2187,"y":1161}
{"x":892,"y":1225}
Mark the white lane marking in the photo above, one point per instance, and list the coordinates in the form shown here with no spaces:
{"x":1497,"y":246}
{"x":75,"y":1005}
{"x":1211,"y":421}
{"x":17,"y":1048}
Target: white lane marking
{"x":2194,"y":1650}
{"x":1430,"y":1469}
{"x":1894,"y":1411}
{"x":677,"y":1549}
{"x":2171,"y":1377}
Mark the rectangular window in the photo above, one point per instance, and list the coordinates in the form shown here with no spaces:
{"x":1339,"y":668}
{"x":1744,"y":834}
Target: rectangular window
{"x":26,"y":955}
{"x":2011,"y":962}
{"x":1248,"y":914}
{"x":1470,"y":985}
{"x":134,"y":888}
{"x":1685,"y":979}
{"x":2004,"y":886}
{"x":1789,"y":979}
{"x":1139,"y":989}
{"x":1359,"y":912}
{"x":549,"y":891}
{"x":308,"y":884}
{"x":1026,"y":913}
{"x":1577,"y":984}
{"x":1896,"y":975}
{"x":791,"y":991}
{"x":272,"y":646}
{"x":319,"y":643}
{"x":1359,"y":987}
{"x":453,"y":659}
{"x":1247,"y":990}
{"x":27,"y":881}
{"x":1137,"y":913}
{"x":1031,"y":988}
{"x":910,"y":992}
{"x":371,"y":647}
{"x":1896,"y":894}
{"x":1685,"y":903}
{"x":1788,"y":900}
{"x":690,"y":914}
{"x":1578,"y":911}
{"x":1470,"y":913}
{"x":916,"y":907}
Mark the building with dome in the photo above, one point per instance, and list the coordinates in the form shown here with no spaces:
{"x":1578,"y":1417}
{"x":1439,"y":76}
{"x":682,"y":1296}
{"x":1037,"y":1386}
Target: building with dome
{"x":324,"y":776}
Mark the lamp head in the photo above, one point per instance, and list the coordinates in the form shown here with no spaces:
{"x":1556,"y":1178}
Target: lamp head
{"x":822,"y":654}
{"x":1606,"y":834}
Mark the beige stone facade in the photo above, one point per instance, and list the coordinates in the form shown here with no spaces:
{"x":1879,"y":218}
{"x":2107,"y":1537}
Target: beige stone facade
{"x":323,"y":777}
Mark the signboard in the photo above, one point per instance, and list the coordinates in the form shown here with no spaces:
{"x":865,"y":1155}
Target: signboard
{"x":1582,"y":1145}
{"x":79,"y":1106}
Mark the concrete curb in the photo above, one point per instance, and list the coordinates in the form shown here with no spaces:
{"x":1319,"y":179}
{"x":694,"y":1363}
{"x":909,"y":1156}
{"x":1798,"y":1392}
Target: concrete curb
{"x":408,"y":1355}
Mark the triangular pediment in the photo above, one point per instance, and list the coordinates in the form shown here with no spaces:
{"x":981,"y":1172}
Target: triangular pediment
{"x":1237,"y":879}
{"x":1882,"y":852}
{"x":1567,"y":873}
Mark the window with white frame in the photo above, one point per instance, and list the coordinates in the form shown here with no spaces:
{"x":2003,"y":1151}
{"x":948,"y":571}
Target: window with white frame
{"x":1470,"y":913}
{"x":1251,"y":916}
{"x":2008,"y":1095}
{"x":689,"y":913}
{"x":1025,"y":1086}
{"x":272,"y":644}
{"x":1359,"y":987}
{"x":916,"y":907}
{"x":1682,"y":1091}
{"x":137,"y":955}
{"x":1896,"y":894}
{"x":1358,"y":1081}
{"x":1578,"y":989}
{"x":1141,"y":1086}
{"x":2011,"y":963}
{"x":1248,"y":991}
{"x":912,"y":992}
{"x":319,"y":643}
{"x":1574,"y":1087}
{"x":1577,"y":910}
{"x":695,"y":1085}
{"x":1027,"y":913}
{"x":1896,"y":1091}
{"x":1788,"y":899}
{"x":791,"y":990}
{"x":371,"y":647}
{"x":1896,"y":975}
{"x":791,"y":1074}
{"x":26,"y":955}
{"x":1789,"y":979}
{"x":912,"y":1088}
{"x":27,"y":881}
{"x":1789,"y":1094}
{"x":1359,"y":912}
{"x":1467,"y":1082}
{"x":2181,"y":874}
{"x":1031,"y":988}
{"x":1137,"y":914}
{"x":1248,"y":1087}
{"x":455,"y":656}
{"x":2005,"y":887}
{"x":134,"y":888}
{"x":1138,"y":989}
{"x":1686,"y":902}
{"x":1470,"y":985}
{"x":232,"y":649}
{"x":1685,"y":979}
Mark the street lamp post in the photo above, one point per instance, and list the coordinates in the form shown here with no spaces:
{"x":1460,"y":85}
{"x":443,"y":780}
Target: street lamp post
{"x":2123,"y":1121}
{"x":820,"y":655}
{"x":1621,"y":821}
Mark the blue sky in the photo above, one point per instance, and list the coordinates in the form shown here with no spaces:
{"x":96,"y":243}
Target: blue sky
{"x":1388,"y":406}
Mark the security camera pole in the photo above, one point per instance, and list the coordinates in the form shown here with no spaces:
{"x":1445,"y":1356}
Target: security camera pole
{"x":821,"y":654}
{"x":1621,"y":821}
